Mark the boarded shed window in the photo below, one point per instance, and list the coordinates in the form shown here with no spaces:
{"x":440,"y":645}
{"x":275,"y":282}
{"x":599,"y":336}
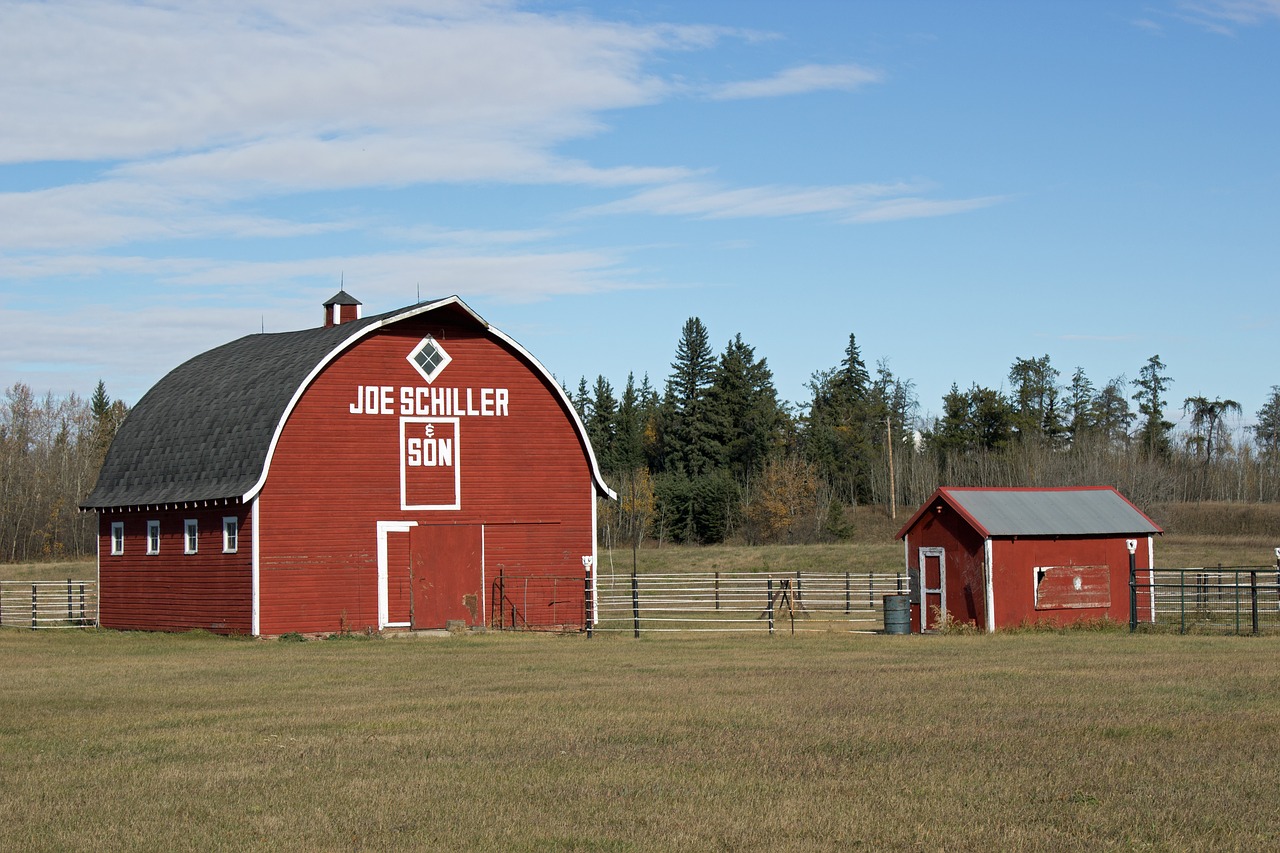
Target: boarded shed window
{"x":1071,"y":587}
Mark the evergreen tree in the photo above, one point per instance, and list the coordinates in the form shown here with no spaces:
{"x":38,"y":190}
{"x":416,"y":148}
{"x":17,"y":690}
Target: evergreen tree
{"x":842,"y":435}
{"x":629,"y":448}
{"x":602,"y":424}
{"x":1035,"y":400}
{"x":1080,"y":407}
{"x":744,"y":410}
{"x":977,"y":419}
{"x":689,"y":444}
{"x":1112,"y":417}
{"x":581,"y":400}
{"x":1154,"y":432}
{"x":1267,"y":430}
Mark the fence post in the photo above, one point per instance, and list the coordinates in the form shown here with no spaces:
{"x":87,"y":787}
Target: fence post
{"x":717,"y":590}
{"x":848,"y":595}
{"x":71,"y":615}
{"x":1133,"y":585}
{"x":586,"y":594}
{"x":769,"y":590}
{"x":1235,"y":587}
{"x":82,"y":619}
{"x":635,"y":604}
{"x":1182,"y":600}
{"x":1253,"y":599}
{"x":871,"y":589}
{"x":33,"y":606}
{"x":502,"y":595}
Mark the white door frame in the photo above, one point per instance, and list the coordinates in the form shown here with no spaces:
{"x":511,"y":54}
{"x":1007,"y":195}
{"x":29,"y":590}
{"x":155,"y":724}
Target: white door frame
{"x":940,"y":590}
{"x":384,"y":595}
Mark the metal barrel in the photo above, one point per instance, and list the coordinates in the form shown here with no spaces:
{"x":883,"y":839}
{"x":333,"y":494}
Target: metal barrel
{"x":897,"y":614}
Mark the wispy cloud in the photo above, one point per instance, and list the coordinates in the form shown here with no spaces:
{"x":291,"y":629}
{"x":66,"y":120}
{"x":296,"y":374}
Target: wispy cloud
{"x":1096,"y":338}
{"x":1227,"y":16}
{"x":799,"y":80}
{"x":849,"y":203}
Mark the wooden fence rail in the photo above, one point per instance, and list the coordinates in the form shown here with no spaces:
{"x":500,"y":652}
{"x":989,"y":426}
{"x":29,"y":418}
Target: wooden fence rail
{"x":49,"y":604}
{"x":744,"y":601}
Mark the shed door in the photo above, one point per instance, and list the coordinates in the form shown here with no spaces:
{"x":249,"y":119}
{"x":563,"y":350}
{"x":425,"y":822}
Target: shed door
{"x":933,"y":585}
{"x":448,"y":575}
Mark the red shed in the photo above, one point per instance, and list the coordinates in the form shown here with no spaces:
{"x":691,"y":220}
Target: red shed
{"x":401,"y":470}
{"x":1000,"y":557}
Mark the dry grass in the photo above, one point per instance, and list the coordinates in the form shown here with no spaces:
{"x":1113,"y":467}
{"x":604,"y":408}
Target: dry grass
{"x":116,"y":741}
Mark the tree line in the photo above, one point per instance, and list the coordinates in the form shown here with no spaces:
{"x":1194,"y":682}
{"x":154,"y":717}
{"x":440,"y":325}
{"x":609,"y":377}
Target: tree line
{"x":717,"y":456}
{"x":50,"y":452}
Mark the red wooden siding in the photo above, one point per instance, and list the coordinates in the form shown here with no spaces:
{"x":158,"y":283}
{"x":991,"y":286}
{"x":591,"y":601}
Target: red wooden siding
{"x":335,"y":474}
{"x":173,"y":590}
{"x":1103,"y":562}
{"x":398,"y":591}
{"x":1015,"y":563}
{"x":963,"y":562}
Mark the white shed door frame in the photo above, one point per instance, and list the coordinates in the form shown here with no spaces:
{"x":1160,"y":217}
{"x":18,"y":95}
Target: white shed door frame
{"x":384,"y":595}
{"x":926,"y":590}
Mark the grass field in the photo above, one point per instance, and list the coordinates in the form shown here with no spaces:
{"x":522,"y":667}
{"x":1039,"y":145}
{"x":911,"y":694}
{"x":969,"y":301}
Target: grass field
{"x":1074,"y":740}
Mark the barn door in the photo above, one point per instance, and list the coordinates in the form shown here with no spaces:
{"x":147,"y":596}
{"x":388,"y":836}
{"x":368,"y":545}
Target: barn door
{"x":447,"y":565}
{"x":933,"y":585}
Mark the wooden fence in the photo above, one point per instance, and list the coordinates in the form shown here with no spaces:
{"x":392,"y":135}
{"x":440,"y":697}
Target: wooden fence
{"x":49,"y":604}
{"x":744,"y":601}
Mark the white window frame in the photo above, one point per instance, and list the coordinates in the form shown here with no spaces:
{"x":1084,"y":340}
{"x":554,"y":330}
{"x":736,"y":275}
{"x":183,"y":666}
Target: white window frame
{"x":153,"y":537}
{"x":117,"y":538}
{"x":190,"y":536}
{"x":230,"y":534}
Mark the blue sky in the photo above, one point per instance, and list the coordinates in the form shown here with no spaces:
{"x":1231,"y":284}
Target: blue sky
{"x":957,"y":184}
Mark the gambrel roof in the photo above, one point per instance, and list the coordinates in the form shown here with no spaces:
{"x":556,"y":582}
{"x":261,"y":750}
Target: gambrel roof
{"x":205,"y":431}
{"x":1074,"y":511}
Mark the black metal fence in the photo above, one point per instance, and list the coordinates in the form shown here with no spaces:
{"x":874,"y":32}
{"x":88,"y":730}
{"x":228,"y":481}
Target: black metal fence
{"x":539,"y":602}
{"x":49,"y":604}
{"x":1221,"y":599}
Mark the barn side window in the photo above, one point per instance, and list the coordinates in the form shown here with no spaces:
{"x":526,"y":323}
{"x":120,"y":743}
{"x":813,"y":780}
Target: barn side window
{"x":191,"y":537}
{"x":153,"y":537}
{"x":117,"y":538}
{"x":230,"y":535}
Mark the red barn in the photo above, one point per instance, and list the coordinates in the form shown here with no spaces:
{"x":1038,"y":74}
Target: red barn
{"x":394,"y":471}
{"x":1000,"y":557}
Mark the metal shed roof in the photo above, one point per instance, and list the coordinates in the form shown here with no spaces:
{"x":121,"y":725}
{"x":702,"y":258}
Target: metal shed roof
{"x":1083,"y":511}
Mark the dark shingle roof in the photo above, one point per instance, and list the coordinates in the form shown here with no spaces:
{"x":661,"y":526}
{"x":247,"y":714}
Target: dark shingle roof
{"x":342,"y":298}
{"x":203,"y":431}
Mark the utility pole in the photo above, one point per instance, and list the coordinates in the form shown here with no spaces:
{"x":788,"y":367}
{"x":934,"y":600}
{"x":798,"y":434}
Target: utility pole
{"x":893,"y":492}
